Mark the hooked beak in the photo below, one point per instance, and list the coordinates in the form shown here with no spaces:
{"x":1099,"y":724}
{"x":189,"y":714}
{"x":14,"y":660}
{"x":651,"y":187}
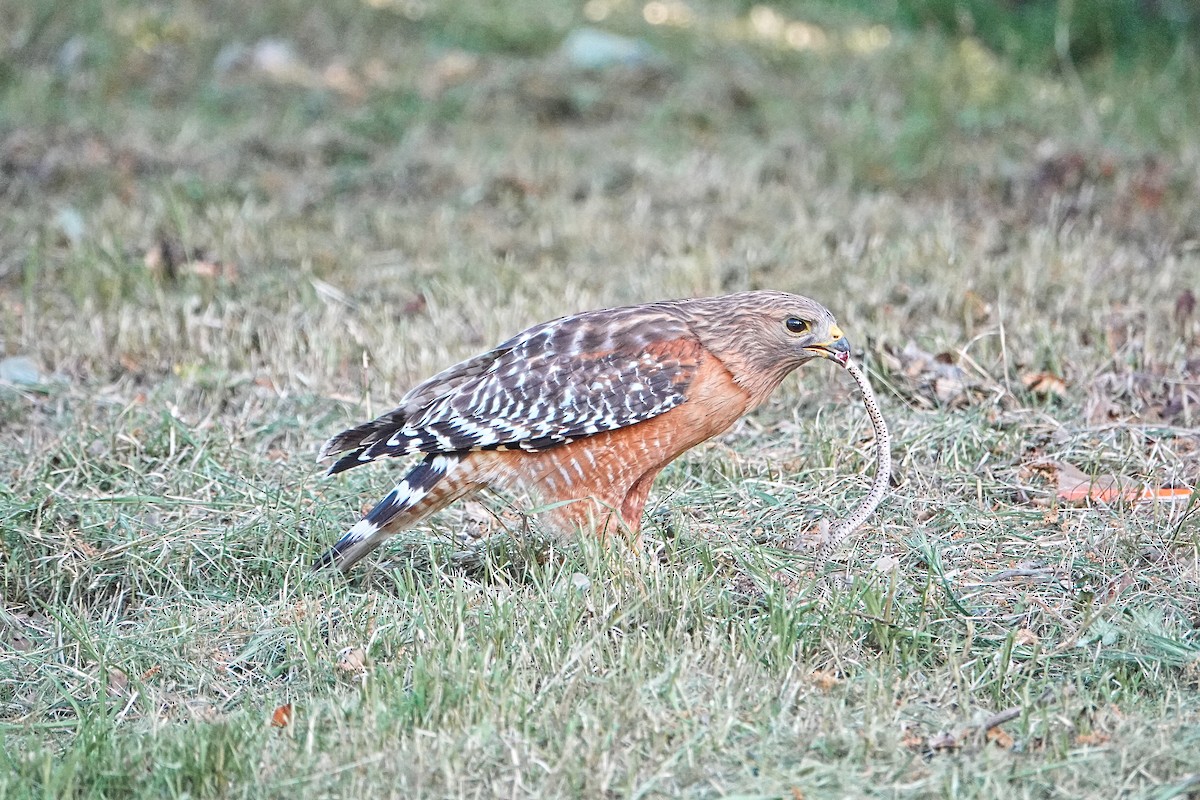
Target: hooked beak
{"x":836,"y":349}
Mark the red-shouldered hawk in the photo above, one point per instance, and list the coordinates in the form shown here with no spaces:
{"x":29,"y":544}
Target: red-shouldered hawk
{"x":583,"y":411}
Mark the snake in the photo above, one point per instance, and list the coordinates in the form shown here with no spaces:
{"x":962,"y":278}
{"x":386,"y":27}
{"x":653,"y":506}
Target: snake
{"x":883,"y":468}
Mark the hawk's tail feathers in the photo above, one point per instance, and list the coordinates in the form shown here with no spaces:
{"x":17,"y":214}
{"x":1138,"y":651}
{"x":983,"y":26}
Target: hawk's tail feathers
{"x":385,"y":518}
{"x":347,"y":461}
{"x":351,"y":439}
{"x":361,"y":437}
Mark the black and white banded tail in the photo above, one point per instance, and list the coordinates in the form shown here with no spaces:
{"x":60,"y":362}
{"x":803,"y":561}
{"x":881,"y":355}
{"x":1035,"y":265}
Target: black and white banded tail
{"x":422,"y":491}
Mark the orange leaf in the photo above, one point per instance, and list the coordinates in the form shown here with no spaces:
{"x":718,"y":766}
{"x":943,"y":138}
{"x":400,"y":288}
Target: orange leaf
{"x":1074,"y":486}
{"x":1044,"y":384}
{"x":825,"y":681}
{"x":282,"y":716}
{"x":1000,"y":738}
{"x":1151,"y":493}
{"x":1091,"y":739}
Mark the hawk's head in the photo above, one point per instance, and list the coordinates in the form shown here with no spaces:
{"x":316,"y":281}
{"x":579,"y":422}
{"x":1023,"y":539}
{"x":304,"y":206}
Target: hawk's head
{"x":761,"y":337}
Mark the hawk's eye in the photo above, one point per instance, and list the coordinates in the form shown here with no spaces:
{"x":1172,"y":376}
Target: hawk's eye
{"x":796,"y":325}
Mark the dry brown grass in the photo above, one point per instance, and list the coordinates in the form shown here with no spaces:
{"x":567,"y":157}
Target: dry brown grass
{"x":216,"y":273}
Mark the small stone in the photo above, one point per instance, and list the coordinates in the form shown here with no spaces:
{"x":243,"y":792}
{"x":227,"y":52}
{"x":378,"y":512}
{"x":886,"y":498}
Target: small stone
{"x":70,"y":224}
{"x":592,"y":48}
{"x":20,"y":371}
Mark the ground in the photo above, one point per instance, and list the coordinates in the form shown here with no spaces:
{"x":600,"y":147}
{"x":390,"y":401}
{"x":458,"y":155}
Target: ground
{"x":229,"y":232}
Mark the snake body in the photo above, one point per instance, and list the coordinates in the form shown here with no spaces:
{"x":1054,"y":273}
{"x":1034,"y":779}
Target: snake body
{"x":883,"y":468}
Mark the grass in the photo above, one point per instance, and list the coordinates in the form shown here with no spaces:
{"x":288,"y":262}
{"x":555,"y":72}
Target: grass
{"x":217,"y":260}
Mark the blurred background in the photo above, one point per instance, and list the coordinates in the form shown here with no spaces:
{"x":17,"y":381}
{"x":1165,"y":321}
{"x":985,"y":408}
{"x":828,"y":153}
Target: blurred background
{"x":197,"y":191}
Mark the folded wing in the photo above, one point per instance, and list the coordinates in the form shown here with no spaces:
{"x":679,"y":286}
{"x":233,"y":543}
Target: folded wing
{"x":552,"y":384}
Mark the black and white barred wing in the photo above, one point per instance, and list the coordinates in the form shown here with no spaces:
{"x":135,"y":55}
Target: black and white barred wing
{"x":550,"y":385}
{"x":414,"y":402}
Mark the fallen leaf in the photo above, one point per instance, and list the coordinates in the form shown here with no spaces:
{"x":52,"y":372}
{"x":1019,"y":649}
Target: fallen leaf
{"x":1117,"y":585}
{"x":1078,"y":488}
{"x":281,"y":717}
{"x":1000,"y":738}
{"x":1074,"y":486}
{"x":1044,"y":384}
{"x":352,"y":659}
{"x":118,"y":681}
{"x":885,"y":564}
{"x":1091,"y":739}
{"x":929,"y":376}
{"x":1159,"y":393}
{"x":225,"y":270}
{"x":415,"y":306}
{"x":947,"y":389}
{"x":85,"y":548}
{"x":823,"y":680}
